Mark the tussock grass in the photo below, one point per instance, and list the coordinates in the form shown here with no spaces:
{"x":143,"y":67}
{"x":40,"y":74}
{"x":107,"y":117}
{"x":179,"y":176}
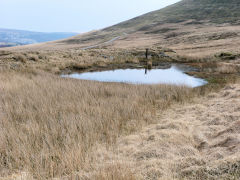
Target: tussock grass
{"x":115,"y":171}
{"x":50,"y":124}
{"x":21,"y":58}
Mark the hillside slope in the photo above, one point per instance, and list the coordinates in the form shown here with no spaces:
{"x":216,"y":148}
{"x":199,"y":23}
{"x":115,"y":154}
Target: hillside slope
{"x":198,"y":12}
{"x":190,"y":27}
{"x":215,"y":11}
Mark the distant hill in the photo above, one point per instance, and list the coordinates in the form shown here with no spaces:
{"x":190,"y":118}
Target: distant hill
{"x":11,"y":37}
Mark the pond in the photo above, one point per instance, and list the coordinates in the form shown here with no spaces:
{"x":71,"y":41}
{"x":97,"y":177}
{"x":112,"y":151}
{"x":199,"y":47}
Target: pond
{"x":173,"y":75}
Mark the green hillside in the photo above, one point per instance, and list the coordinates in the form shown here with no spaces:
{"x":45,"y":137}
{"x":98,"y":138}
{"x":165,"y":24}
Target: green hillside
{"x":215,"y":11}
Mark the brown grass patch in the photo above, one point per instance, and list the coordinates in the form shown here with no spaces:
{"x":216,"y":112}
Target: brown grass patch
{"x":49,"y":124}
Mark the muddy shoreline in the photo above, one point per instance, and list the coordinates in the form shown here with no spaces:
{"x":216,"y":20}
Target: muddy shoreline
{"x":98,"y":68}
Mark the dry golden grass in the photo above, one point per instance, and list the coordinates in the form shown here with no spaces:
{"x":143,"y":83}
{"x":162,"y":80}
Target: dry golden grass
{"x":198,"y":41}
{"x":49,"y":124}
{"x":59,"y":61}
{"x":198,"y":140}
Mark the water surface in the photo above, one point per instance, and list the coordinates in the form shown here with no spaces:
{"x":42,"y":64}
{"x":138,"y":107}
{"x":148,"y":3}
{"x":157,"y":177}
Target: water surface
{"x":174,"y":75}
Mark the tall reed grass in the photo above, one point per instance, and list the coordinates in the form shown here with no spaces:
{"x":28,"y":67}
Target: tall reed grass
{"x":48,"y":124}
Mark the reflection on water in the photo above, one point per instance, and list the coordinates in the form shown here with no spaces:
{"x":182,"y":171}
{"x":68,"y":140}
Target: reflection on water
{"x":173,"y":75}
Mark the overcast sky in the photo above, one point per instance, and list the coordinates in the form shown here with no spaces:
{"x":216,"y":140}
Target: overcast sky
{"x":72,"y":15}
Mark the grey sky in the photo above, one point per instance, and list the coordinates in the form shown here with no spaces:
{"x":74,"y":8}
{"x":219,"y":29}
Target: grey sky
{"x":72,"y":15}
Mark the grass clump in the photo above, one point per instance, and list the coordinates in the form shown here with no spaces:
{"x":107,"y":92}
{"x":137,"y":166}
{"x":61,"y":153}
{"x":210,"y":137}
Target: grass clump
{"x":20,"y":58}
{"x":227,"y":56}
{"x":33,"y":57}
{"x":5,"y":53}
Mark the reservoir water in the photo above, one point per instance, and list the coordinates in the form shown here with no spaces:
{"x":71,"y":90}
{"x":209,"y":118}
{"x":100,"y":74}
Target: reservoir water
{"x":174,"y":75}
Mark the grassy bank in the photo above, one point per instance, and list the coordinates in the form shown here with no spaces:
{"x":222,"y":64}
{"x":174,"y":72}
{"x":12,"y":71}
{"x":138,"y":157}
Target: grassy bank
{"x":49,"y":124}
{"x":99,"y":59}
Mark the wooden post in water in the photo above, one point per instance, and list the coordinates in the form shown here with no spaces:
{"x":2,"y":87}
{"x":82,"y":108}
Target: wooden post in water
{"x":147,"y":53}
